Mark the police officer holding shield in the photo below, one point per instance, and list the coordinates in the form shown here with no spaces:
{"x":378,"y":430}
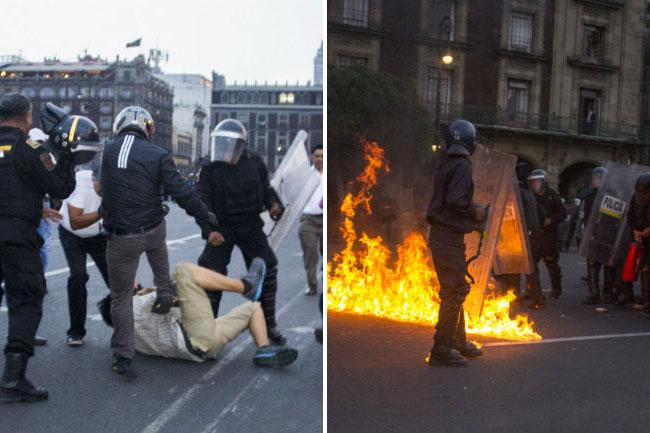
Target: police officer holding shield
{"x":28,"y":172}
{"x":545,"y":242}
{"x":235,"y":186}
{"x":452,"y":213}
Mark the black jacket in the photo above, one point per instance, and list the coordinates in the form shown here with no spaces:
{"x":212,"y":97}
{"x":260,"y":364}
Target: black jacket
{"x":27,"y":173}
{"x":638,"y":215}
{"x":531,"y":210}
{"x":452,"y":204}
{"x":133,"y":175}
{"x":237,"y":193}
{"x":550,"y":206}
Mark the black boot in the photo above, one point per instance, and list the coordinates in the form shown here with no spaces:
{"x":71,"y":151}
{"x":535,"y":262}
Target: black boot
{"x":537,"y":296}
{"x":593,"y":271}
{"x":14,"y":386}
{"x":609,"y":281}
{"x":447,"y":356}
{"x":464,"y":347}
{"x":645,"y":291}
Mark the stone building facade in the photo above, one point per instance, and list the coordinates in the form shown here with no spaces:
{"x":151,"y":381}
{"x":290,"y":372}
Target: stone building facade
{"x":559,"y":83}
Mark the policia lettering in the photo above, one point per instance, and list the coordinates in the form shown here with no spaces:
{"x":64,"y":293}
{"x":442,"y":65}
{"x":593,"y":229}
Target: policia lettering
{"x":452,"y":213}
{"x":235,"y":186}
{"x":28,"y":172}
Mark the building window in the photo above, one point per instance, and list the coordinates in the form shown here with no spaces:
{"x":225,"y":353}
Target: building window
{"x":105,"y":122}
{"x":439,"y":78}
{"x":126,"y":75}
{"x":261,"y":121}
{"x":594,"y":44}
{"x":84,"y":92}
{"x":590,"y":102}
{"x":84,"y":108}
{"x":261,"y":145}
{"x":28,"y":92}
{"x":355,"y":12}
{"x":126,"y":92}
{"x":518,"y":102}
{"x":343,"y":61}
{"x":73,"y":92}
{"x":521,"y":32}
{"x":106,"y":108}
{"x":441,"y":19}
{"x":47,"y":92}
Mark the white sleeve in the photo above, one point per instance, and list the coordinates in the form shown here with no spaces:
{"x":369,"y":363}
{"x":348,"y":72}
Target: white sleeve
{"x":78,"y":199}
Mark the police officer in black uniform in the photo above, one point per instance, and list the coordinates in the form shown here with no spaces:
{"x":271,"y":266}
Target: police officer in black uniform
{"x":638,"y":221}
{"x":235,"y":186}
{"x":28,"y":172}
{"x":545,"y":242}
{"x":594,"y":266}
{"x":452,"y":213}
{"x":133,"y":175}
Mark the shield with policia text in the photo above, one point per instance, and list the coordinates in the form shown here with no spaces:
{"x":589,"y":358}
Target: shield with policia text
{"x":607,"y":236}
{"x":503,"y":244}
{"x":295,"y":182}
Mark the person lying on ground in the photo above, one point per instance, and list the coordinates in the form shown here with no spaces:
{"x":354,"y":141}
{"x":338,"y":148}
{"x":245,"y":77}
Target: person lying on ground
{"x":191,"y":332}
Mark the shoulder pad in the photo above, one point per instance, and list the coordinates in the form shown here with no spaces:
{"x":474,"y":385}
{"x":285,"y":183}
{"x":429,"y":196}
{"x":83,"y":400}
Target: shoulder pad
{"x":33,"y":143}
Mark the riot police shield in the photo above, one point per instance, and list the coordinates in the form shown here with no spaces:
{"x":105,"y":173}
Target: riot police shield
{"x":295,"y":182}
{"x":513,"y":254}
{"x":607,"y":236}
{"x":493,"y":173}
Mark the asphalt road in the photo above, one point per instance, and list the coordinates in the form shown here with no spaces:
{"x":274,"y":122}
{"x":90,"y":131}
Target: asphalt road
{"x":589,"y":374}
{"x":226,"y":395}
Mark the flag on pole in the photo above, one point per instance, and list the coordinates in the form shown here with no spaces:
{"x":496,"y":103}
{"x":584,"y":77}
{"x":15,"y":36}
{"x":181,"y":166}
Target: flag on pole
{"x":135,"y":43}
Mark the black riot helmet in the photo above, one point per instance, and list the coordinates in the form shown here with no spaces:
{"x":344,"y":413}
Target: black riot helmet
{"x":642,"y":185}
{"x":537,"y":174}
{"x":461,"y":138}
{"x":228,"y":141}
{"x":77,"y":135}
{"x":597,"y":176}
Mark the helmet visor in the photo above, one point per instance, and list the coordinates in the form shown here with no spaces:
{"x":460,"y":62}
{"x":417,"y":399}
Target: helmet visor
{"x":227,"y":147}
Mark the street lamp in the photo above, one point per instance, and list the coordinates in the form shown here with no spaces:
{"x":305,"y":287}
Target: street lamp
{"x":443,"y":58}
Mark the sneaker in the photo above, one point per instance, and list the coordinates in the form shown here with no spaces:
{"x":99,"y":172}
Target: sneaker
{"x":447,"y":356}
{"x":310,"y":292}
{"x":40,"y":341}
{"x":274,"y":356}
{"x":122,"y":366}
{"x":254,"y":279}
{"x":73,"y":341}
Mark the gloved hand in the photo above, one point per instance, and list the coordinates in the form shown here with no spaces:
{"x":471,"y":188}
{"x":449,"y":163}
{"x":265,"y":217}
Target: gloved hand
{"x":163,"y":305}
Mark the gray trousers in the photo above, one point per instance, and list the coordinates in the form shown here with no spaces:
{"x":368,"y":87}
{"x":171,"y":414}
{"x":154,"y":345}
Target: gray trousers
{"x":123,"y":257}
{"x":311,"y":241}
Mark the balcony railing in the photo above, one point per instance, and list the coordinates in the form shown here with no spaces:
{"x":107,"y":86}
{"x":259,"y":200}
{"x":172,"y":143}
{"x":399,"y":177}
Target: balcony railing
{"x":550,"y":123}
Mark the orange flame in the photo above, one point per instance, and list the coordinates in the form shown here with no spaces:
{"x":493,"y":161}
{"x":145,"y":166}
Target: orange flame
{"x":363,"y":279}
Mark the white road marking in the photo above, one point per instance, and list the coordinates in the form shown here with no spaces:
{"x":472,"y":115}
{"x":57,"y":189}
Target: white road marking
{"x":169,"y":413}
{"x":259,"y":377}
{"x":91,"y":263}
{"x":568,"y":339}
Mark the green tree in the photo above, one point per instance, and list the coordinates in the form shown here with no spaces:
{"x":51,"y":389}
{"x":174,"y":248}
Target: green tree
{"x":379,"y":107}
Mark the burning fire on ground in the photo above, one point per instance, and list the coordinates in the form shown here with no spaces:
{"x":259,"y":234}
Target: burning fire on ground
{"x":365,"y":279}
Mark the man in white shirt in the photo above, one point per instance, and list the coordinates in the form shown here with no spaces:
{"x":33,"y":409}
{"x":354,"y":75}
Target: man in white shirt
{"x":191,"y":332}
{"x":81,"y":236}
{"x":311,"y":226}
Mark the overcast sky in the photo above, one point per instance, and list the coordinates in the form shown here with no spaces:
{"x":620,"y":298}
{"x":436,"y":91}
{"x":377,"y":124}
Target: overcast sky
{"x":242,"y":39}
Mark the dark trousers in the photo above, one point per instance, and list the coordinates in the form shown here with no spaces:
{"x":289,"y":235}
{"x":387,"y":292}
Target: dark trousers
{"x":21,"y":270}
{"x":252,"y":242}
{"x":547,"y":248}
{"x":76,"y":250}
{"x":448,"y":254}
{"x":123,"y":257}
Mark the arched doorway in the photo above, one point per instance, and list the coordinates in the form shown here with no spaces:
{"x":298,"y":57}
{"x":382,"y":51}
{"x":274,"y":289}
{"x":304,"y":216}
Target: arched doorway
{"x":575,"y":180}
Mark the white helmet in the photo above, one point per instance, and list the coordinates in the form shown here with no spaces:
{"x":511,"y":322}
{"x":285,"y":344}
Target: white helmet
{"x":136,"y":119}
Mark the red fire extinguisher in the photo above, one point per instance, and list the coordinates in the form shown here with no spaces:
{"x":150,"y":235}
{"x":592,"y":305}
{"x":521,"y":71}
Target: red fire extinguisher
{"x":631,"y":267}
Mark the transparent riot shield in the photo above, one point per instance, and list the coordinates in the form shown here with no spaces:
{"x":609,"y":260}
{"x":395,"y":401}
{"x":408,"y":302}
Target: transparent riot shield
{"x":513,"y":254}
{"x":493,"y":173}
{"x":295,"y":182}
{"x":607,"y":236}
